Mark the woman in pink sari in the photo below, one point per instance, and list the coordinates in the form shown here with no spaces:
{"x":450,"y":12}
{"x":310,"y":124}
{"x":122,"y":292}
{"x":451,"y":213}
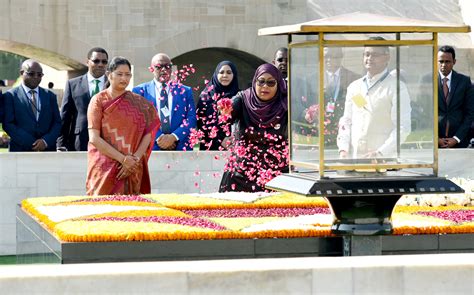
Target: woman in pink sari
{"x":121,"y":128}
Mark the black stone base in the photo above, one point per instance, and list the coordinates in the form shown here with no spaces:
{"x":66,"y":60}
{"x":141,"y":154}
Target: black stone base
{"x":35,"y":242}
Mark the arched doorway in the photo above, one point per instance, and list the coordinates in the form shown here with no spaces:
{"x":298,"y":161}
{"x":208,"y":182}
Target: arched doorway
{"x":205,"y":61}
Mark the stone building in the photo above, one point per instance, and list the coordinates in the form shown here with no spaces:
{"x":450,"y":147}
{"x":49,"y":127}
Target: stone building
{"x":59,"y":33}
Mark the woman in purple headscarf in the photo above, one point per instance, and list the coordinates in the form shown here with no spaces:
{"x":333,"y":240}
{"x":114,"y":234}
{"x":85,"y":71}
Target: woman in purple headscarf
{"x":261,"y":149}
{"x":224,"y":84}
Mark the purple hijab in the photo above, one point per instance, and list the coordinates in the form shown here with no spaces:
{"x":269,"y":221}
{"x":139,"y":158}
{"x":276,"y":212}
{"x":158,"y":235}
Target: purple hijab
{"x":266,"y":113}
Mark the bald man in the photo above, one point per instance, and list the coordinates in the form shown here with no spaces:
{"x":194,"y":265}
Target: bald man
{"x":31,"y":113}
{"x":174,"y":103}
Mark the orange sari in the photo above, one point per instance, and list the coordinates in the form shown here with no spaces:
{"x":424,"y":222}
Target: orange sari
{"x":122,"y":122}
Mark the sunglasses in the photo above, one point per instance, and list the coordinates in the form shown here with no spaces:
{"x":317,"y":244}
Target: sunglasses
{"x":165,"y":66}
{"x":97,"y":61}
{"x":33,"y":74}
{"x":269,"y":83}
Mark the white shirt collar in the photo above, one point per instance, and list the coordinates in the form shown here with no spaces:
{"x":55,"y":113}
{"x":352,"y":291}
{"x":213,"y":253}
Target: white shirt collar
{"x":159,"y":84}
{"x":448,"y":76}
{"x":91,"y":78}
{"x":335,"y":74}
{"x":27,"y":89}
{"x":375,"y":78}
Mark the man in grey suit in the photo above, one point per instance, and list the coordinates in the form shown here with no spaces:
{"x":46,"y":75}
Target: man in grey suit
{"x":31,"y":113}
{"x":77,"y":94}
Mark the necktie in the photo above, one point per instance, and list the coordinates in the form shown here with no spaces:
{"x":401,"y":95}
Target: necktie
{"x":34,"y":106}
{"x":96,"y":89}
{"x":331,"y":85}
{"x":445,"y":89}
{"x":165,"y":118}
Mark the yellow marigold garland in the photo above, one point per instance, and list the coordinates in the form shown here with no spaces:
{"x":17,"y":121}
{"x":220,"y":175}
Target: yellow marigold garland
{"x":138,"y":213}
{"x":80,"y":230}
{"x":280,"y":200}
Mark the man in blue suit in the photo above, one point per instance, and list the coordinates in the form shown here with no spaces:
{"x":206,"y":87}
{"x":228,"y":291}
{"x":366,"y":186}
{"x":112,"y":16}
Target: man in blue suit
{"x":31,"y":113}
{"x":174,"y":103}
{"x":77,"y":95}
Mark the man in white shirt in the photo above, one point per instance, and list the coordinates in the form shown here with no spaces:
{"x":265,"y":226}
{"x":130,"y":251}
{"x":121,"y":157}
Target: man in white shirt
{"x":77,"y":94}
{"x":368,"y":128}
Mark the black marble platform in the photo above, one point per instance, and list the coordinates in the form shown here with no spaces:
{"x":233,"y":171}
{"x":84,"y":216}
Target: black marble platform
{"x":35,"y":244}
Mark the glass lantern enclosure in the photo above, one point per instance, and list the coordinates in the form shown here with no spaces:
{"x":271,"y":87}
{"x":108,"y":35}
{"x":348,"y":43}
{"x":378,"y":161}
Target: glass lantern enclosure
{"x":346,"y":122}
{"x":363,"y":101}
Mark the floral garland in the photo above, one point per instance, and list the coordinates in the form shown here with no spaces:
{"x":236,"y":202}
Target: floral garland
{"x":189,"y":217}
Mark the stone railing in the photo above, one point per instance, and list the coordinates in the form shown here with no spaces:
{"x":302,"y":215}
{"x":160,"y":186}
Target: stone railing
{"x":397,"y":274}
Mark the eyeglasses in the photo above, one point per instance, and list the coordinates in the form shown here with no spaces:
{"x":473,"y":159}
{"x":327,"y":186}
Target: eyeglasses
{"x":123,"y":75}
{"x":97,"y":61}
{"x":269,"y":83}
{"x":165,"y":66}
{"x":374,"y":54}
{"x":33,"y":74}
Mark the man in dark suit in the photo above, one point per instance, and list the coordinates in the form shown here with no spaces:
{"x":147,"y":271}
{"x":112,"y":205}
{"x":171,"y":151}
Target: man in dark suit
{"x":455,"y":102}
{"x":174,"y":103}
{"x":336,"y":80}
{"x":77,"y":94}
{"x":31,"y":113}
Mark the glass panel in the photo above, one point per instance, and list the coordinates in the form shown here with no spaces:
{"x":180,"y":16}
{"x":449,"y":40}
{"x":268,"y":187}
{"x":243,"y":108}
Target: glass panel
{"x":387,"y":115}
{"x":303,"y":38}
{"x":416,"y":70}
{"x":352,"y":36}
{"x":341,"y":68}
{"x":304,"y":100}
{"x":416,"y":36}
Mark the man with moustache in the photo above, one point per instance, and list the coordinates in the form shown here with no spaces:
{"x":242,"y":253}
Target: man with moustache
{"x":77,"y":95}
{"x":31,"y":113}
{"x":174,"y":103}
{"x":368,"y":128}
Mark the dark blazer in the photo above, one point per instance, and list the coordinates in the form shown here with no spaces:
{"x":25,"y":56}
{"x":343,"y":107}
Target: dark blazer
{"x":20,"y":122}
{"x":308,"y":90}
{"x":183,"y":118}
{"x":1,"y":107}
{"x":346,"y":77}
{"x":74,"y":134}
{"x":458,"y":109}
